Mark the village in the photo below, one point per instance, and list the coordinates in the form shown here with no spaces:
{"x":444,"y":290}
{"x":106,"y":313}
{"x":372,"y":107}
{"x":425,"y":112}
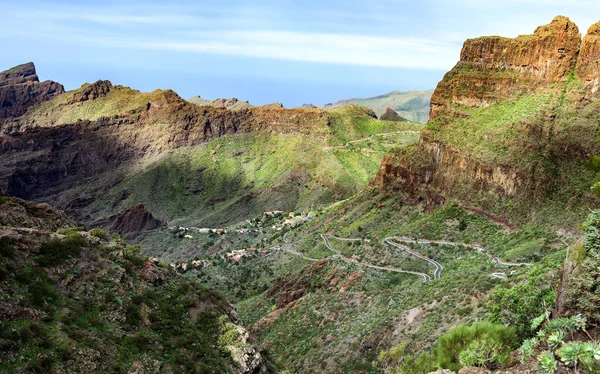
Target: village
{"x":276,"y":220}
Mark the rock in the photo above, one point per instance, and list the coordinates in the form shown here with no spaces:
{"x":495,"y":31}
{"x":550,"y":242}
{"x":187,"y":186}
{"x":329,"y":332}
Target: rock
{"x":20,"y":89}
{"x":492,"y":69}
{"x":442,"y":371}
{"x":588,"y":64}
{"x":273,"y":106}
{"x":145,"y":365}
{"x":248,"y":360}
{"x":474,"y":370}
{"x":391,"y":115}
{"x":132,"y":221}
{"x":91,"y":92}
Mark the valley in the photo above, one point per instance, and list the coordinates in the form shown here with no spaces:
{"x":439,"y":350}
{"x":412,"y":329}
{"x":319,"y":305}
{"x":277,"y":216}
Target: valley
{"x":144,"y":233}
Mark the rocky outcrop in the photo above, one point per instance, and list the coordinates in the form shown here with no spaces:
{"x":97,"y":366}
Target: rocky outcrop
{"x":541,"y":149}
{"x":391,"y":115}
{"x":42,"y":162}
{"x":15,"y":212}
{"x":492,"y":69}
{"x":20,"y":89}
{"x":229,"y":104}
{"x":131,"y":222}
{"x":588,"y":65}
{"x":91,"y":92}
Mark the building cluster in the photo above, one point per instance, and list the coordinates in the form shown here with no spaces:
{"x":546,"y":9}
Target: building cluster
{"x":237,"y":254}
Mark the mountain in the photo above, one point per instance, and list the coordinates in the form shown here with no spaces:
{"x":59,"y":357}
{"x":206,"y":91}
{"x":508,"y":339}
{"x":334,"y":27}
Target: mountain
{"x":481,"y":220}
{"x":512,"y":128}
{"x":412,"y":105}
{"x":76,"y":301}
{"x":232,"y":103}
{"x":21,"y":88}
{"x":102,"y":149}
{"x":345,"y":243}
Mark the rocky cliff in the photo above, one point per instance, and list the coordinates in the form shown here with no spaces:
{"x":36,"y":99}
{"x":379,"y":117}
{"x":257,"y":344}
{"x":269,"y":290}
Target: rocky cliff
{"x":20,"y":89}
{"x":492,"y":69}
{"x":515,"y":119}
{"x":42,"y":157}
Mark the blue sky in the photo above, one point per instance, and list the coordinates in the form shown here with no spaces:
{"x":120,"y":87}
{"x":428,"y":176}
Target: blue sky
{"x":263,"y":51}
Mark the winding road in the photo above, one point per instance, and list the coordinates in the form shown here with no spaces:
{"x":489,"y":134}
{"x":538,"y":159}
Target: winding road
{"x":481,"y":250}
{"x":438,"y":267}
{"x":288,"y":247}
{"x":325,"y":237}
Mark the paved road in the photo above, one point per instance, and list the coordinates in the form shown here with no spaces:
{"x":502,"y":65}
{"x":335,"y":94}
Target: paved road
{"x":479,"y":249}
{"x":370,"y":137}
{"x":426,"y":277}
{"x":438,"y":267}
{"x":500,"y":275}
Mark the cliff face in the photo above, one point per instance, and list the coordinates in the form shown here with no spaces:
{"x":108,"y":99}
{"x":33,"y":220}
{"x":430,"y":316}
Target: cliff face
{"x":492,"y":69}
{"x":512,"y":121}
{"x":20,"y":89}
{"x":588,"y":66}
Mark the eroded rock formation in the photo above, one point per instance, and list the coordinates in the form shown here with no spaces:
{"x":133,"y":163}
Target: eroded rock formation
{"x":20,"y":88}
{"x":553,"y":61}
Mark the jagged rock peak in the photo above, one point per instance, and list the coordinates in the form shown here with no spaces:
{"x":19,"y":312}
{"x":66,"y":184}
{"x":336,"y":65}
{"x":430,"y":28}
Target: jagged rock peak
{"x":391,"y":115}
{"x":588,"y":64}
{"x":493,"y":68}
{"x":19,"y":74}
{"x":92,"y":91}
{"x":20,"y":89}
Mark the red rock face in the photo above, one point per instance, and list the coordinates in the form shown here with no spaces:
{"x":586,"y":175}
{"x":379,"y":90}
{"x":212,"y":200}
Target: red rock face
{"x":588,"y":65}
{"x":20,"y":88}
{"x":492,"y":69}
{"x":131,"y":222}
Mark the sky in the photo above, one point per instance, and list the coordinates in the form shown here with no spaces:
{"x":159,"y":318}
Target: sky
{"x":264,"y":51}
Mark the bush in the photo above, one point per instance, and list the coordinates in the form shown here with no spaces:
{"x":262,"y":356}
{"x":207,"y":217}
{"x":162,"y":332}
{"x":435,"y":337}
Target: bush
{"x":592,"y":232}
{"x":7,"y":246}
{"x":69,"y":230}
{"x":481,"y":344}
{"x":56,"y":251}
{"x":582,"y":294}
{"x":519,"y":305}
{"x":98,"y":233}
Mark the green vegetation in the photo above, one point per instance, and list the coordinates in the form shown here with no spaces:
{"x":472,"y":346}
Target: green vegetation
{"x":119,"y":100}
{"x":237,"y":176}
{"x":481,"y":344}
{"x":98,"y":233}
{"x":56,"y":251}
{"x":412,"y":105}
{"x":100,"y":311}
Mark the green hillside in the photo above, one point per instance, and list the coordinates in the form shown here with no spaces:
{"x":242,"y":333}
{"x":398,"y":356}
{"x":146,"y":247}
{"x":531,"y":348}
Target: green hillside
{"x":412,"y":105}
{"x":239,"y":176}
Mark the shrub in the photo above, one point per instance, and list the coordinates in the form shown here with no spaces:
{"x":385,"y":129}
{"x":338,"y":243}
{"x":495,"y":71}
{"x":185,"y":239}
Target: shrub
{"x":69,"y":230}
{"x":485,"y":344}
{"x":592,"y":232}
{"x":7,"y":246}
{"x":98,"y":233}
{"x":56,"y":251}
{"x":519,"y":305}
{"x":582,"y":293}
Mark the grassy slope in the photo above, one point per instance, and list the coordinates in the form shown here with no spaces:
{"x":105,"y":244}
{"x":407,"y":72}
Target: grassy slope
{"x":413,"y":105}
{"x":239,"y":176}
{"x":119,"y":100}
{"x":327,"y":323}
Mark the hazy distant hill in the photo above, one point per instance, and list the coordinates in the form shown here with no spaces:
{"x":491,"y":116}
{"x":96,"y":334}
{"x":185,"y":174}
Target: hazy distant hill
{"x":412,"y":105}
